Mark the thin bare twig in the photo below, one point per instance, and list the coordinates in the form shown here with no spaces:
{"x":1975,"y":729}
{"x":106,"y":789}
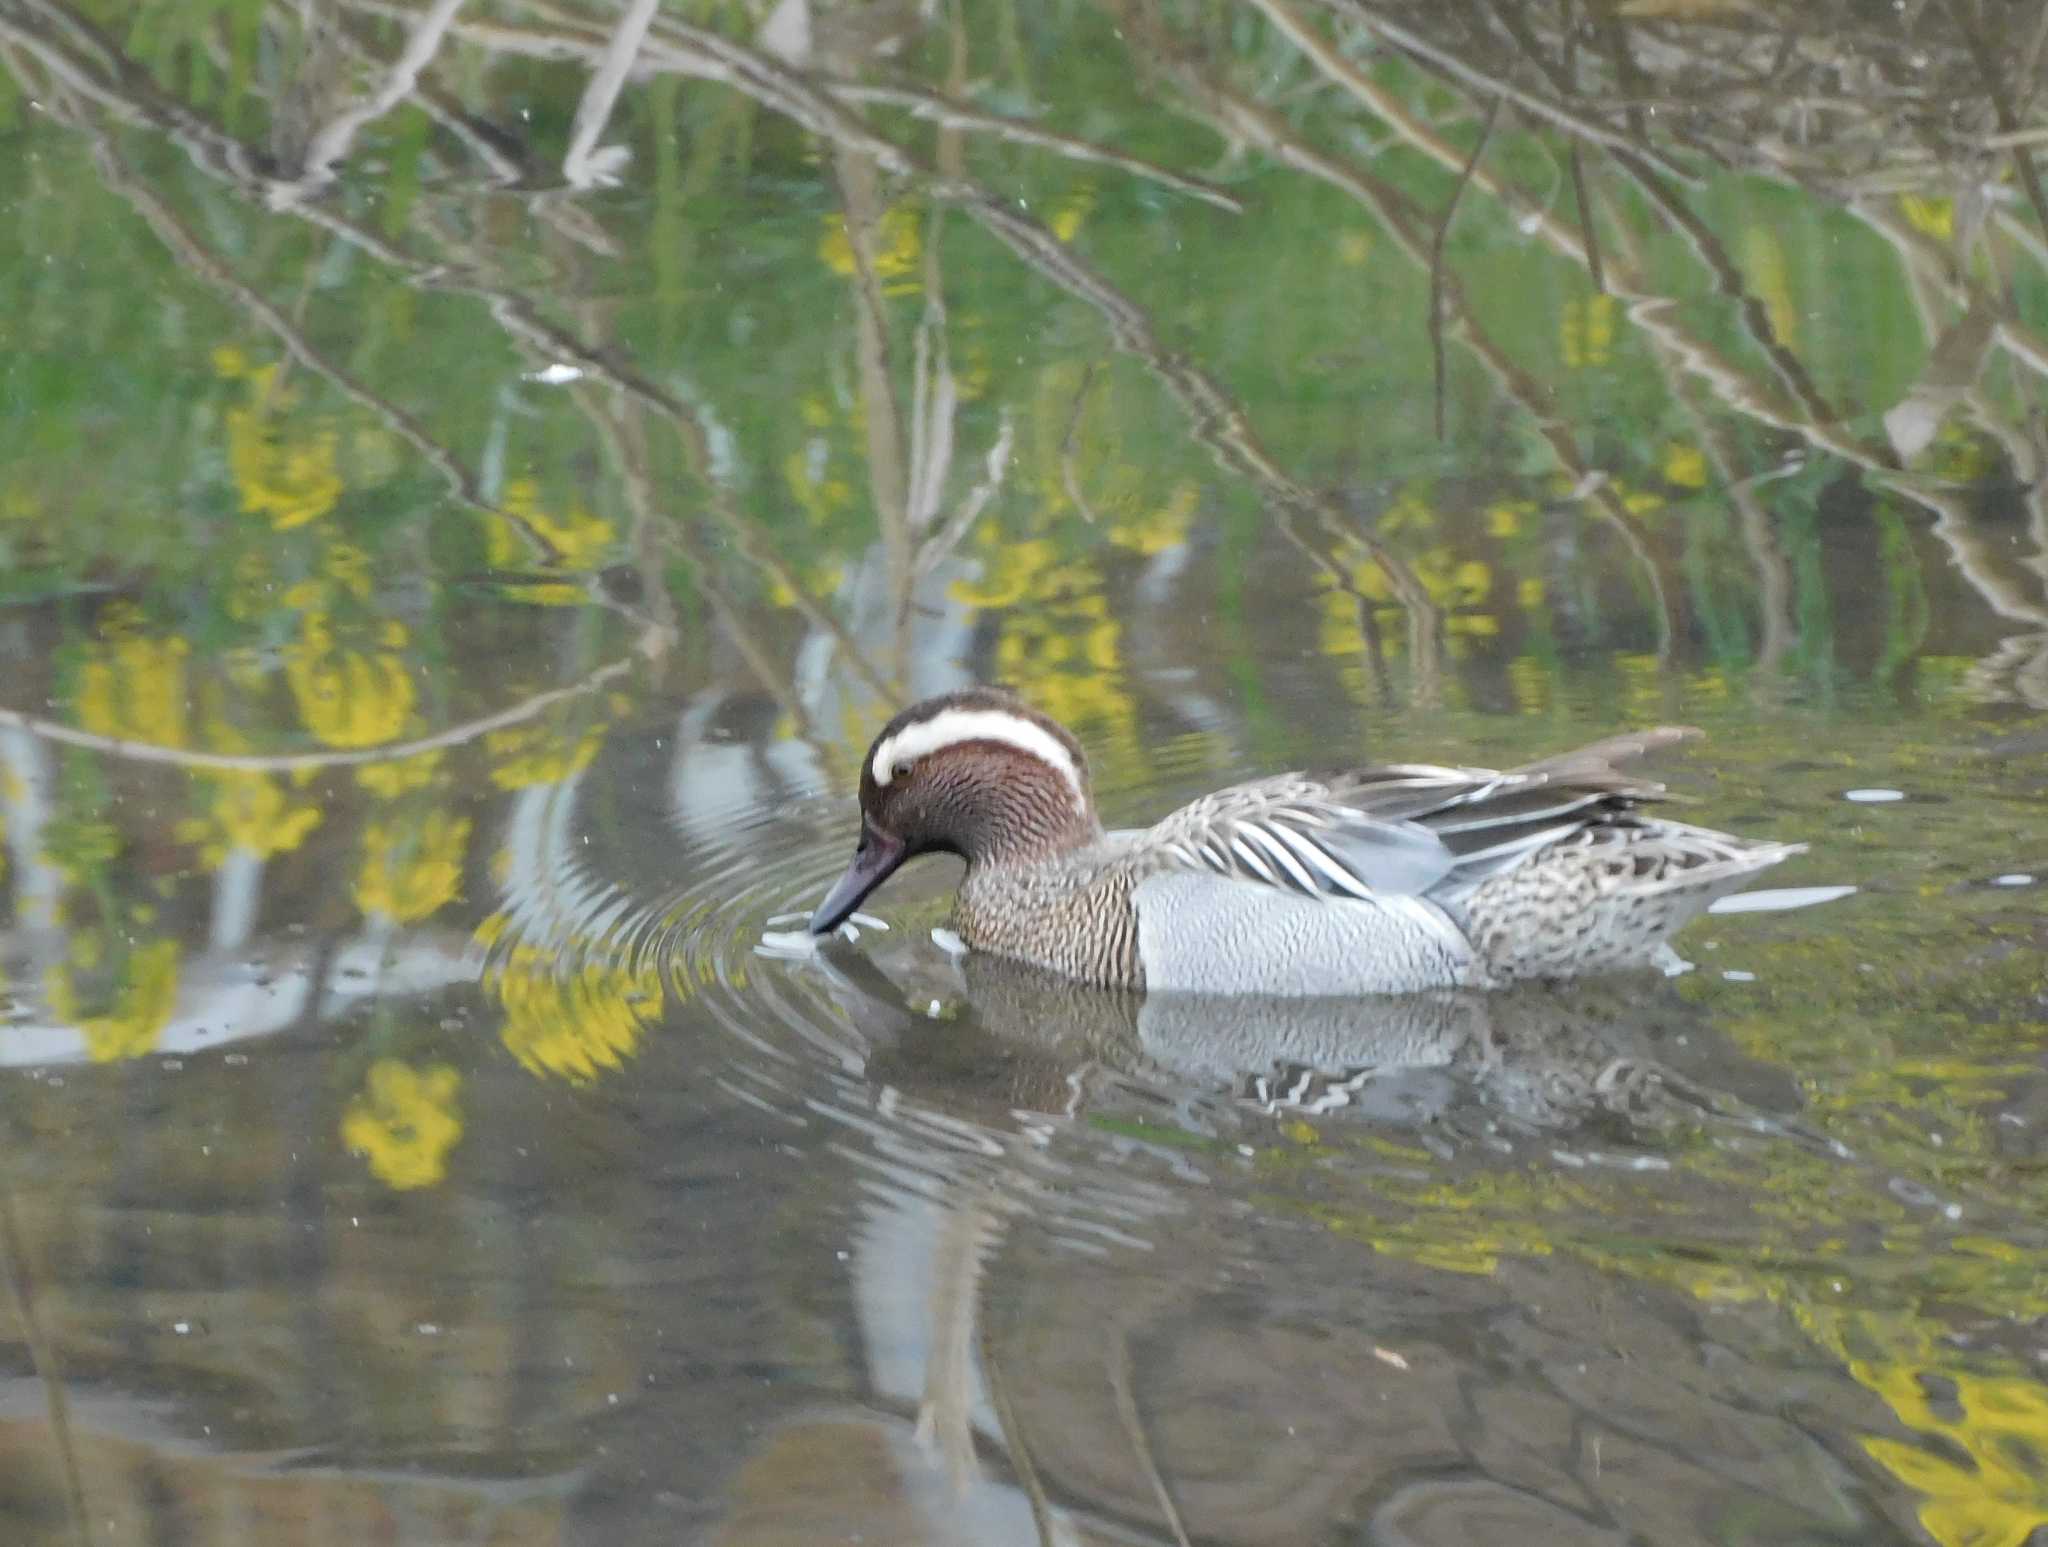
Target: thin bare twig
{"x":1436,"y":259}
{"x":1069,"y":474}
{"x":1126,"y":1398}
{"x":933,"y":108}
{"x":309,"y":762}
{"x":1962,"y":12}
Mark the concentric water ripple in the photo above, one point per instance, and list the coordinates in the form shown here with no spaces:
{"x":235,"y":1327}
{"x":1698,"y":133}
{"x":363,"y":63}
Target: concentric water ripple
{"x":794,"y":1040}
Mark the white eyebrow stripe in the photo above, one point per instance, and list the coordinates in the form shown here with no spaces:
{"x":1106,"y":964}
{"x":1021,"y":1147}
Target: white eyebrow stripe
{"x":949,"y":727}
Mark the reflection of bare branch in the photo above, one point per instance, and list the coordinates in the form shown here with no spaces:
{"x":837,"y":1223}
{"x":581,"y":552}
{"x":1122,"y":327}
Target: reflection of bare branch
{"x":1069,"y":474}
{"x":1755,"y":318}
{"x":1413,"y":131}
{"x":1651,"y":312}
{"x":934,"y":402}
{"x":968,"y":1232}
{"x":1486,"y":83}
{"x":1219,"y":422}
{"x":1015,"y":1446}
{"x":1218,"y":419}
{"x":1405,"y":223}
{"x":193,"y":255}
{"x":676,"y":46}
{"x":860,"y":199}
{"x":309,"y":762}
{"x":2016,"y":671}
{"x":1759,"y":532}
{"x":1753,"y":314}
{"x":330,"y":143}
{"x":622,"y":434}
{"x":518,"y":316}
{"x":1969,"y":24}
{"x":689,"y":542}
{"x":616,"y":418}
{"x":583,"y":165}
{"x":942,"y":542}
{"x":1338,"y":573}
{"x":1437,"y":239}
{"x":497,"y":155}
{"x":1935,"y":264}
{"x":957,"y":115}
{"x":94,"y":67}
{"x":43,"y":1356}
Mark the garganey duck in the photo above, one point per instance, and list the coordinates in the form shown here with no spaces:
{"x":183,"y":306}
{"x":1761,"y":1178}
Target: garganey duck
{"x":1378,"y":880}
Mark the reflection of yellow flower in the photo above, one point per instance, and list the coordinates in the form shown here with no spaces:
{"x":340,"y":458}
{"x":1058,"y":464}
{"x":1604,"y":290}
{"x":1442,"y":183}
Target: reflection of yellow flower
{"x":1764,"y":260}
{"x":816,"y":491}
{"x":1933,"y":217}
{"x":1504,"y":519}
{"x":1998,"y":1421}
{"x":523,"y":755}
{"x":1451,"y":581}
{"x":1011,"y":572}
{"x":582,"y":541}
{"x":1068,"y":215}
{"x":572,"y":1024}
{"x":132,"y":685}
{"x":1529,"y":680}
{"x":291,"y":480}
{"x":251,"y":589}
{"x":1457,"y":1230}
{"x":1080,"y":634}
{"x":1586,"y":331}
{"x":1410,"y":511}
{"x":81,"y":846}
{"x":898,"y":244}
{"x":1057,"y":643}
{"x":405,"y":1121}
{"x":349,"y":568}
{"x":249,"y":812}
{"x":1685,"y":466}
{"x":1164,"y":528}
{"x":149,"y":992}
{"x":348,"y":697}
{"x":1073,"y":450}
{"x":400,"y":775}
{"x":411,"y":872}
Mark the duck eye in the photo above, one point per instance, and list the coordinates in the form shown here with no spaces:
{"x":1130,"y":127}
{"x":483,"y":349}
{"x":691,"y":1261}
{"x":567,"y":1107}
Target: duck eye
{"x":900,"y":771}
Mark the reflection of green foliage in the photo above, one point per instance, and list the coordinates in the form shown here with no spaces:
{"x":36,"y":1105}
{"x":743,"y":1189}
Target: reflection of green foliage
{"x":274,"y":525}
{"x":81,"y":845}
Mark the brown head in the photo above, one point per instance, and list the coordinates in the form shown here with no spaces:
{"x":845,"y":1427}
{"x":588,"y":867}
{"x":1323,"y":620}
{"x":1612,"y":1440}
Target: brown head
{"x":974,"y":773}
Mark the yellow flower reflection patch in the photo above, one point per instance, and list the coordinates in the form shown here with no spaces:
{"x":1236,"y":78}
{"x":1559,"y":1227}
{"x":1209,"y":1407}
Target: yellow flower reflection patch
{"x":142,"y":1006}
{"x":411,"y":870}
{"x":404,"y":1122}
{"x":348,"y":697}
{"x":572,"y":1024}
{"x":132,"y":685}
{"x":248,"y":813}
{"x":289,"y":474}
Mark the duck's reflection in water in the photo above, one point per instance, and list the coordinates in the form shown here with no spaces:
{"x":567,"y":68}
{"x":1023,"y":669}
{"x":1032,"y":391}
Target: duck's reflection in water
{"x":1090,"y":1312}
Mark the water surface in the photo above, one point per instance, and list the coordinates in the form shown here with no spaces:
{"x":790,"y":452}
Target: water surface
{"x":473,"y":478}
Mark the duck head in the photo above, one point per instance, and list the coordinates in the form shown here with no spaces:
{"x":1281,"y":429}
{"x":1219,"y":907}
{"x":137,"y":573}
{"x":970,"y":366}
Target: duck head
{"x":975,"y":773}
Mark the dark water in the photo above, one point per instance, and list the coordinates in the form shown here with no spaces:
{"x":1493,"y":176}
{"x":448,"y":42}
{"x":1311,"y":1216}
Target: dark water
{"x":474,"y":477}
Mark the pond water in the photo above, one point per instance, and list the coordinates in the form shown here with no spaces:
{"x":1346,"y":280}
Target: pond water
{"x":473,"y":479}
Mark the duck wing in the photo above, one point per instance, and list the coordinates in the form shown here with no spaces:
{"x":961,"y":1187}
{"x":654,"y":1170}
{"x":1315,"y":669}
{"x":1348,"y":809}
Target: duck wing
{"x":1406,"y":829}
